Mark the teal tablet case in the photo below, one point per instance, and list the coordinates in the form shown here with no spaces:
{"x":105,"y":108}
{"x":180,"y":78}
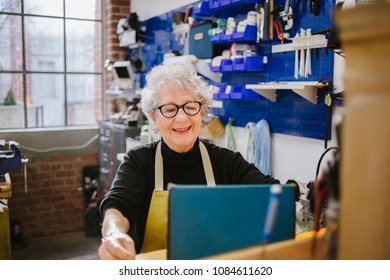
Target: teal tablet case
{"x":205,"y":221}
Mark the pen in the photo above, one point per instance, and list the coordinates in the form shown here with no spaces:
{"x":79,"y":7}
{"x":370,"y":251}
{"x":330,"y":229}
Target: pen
{"x":272,"y":211}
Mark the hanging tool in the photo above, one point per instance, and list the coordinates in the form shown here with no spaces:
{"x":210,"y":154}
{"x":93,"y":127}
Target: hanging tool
{"x":287,"y":16}
{"x":296,"y":64}
{"x":266,"y":33}
{"x":302,"y":53}
{"x":137,"y":58}
{"x":279,"y":30}
{"x":314,"y":7}
{"x":284,"y":20}
{"x":308,"y":57}
{"x":263,"y":20}
{"x":260,"y":20}
{"x":271,"y":19}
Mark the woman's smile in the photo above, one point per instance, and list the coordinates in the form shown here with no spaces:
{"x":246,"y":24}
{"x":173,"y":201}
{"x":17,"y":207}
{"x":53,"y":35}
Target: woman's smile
{"x":181,"y":130}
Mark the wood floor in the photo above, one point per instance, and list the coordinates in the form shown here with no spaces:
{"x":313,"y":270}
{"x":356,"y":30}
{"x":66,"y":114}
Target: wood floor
{"x":65,"y":246}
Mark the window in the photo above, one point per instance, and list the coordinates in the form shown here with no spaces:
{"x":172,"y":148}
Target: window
{"x":51,"y":70}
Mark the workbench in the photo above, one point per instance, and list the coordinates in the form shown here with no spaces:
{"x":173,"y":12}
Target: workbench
{"x":299,"y":248}
{"x":5,"y":237}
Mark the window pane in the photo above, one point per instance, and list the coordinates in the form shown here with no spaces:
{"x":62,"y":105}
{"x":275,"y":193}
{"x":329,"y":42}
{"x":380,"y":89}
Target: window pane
{"x":83,"y":46}
{"x":87,"y":9}
{"x":47,"y":95}
{"x":10,"y":43}
{"x":47,"y":35}
{"x":10,"y":6}
{"x":44,"y":44}
{"x":83,"y":92}
{"x":11,"y":116}
{"x":44,"y":7}
{"x":13,"y":82}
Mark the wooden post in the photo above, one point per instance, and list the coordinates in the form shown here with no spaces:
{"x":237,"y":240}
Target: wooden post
{"x":365,"y":148}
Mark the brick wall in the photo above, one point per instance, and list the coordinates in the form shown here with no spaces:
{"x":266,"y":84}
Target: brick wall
{"x":53,"y":202}
{"x":115,"y":10}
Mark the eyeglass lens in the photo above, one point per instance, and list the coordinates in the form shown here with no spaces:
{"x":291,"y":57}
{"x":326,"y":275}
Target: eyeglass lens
{"x":171,"y":110}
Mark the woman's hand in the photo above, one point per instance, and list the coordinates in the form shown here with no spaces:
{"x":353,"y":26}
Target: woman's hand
{"x":117,"y":246}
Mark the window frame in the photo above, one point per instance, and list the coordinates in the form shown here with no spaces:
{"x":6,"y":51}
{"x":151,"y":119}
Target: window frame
{"x":65,"y":73}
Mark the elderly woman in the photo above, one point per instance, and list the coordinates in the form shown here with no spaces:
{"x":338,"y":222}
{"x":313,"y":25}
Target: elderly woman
{"x":175,"y":100}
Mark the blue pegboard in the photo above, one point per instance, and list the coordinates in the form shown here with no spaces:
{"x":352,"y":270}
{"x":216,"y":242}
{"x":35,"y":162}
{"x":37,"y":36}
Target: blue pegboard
{"x":321,"y":59}
{"x":294,"y":115}
{"x":245,"y":110}
{"x":290,"y":114}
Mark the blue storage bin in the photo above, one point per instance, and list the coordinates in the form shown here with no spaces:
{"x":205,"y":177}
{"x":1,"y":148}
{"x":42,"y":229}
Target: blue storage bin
{"x":215,"y":95}
{"x":244,"y":94}
{"x":236,"y":92}
{"x":221,"y":89}
{"x":244,"y":1}
{"x":215,"y":38}
{"x":203,"y":8}
{"x":215,"y":68}
{"x":223,"y":3}
{"x":224,"y":95}
{"x":238,"y":64}
{"x":225,"y":37}
{"x":214,"y":4}
{"x":226,"y":65}
{"x":250,"y":34}
{"x":222,"y":92}
{"x":254,"y":63}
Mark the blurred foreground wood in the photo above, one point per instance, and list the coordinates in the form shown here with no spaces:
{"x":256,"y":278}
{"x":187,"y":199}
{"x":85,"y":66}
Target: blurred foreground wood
{"x":365,"y":150}
{"x":299,"y":248}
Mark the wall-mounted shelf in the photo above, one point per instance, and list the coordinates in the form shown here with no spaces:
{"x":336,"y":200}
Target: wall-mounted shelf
{"x":307,"y":90}
{"x":310,"y":42}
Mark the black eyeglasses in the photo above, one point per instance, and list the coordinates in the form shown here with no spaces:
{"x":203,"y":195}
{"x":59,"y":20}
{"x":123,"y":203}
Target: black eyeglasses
{"x":171,"y":110}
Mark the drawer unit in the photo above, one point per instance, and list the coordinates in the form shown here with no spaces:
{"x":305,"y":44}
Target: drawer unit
{"x":112,"y":141}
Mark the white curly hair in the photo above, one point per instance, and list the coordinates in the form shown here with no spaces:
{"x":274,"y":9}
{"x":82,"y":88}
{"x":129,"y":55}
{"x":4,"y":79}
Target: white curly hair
{"x":178,"y":75}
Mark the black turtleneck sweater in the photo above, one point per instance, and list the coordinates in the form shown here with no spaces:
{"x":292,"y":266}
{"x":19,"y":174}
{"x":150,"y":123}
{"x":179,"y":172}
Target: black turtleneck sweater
{"x":133,"y":185}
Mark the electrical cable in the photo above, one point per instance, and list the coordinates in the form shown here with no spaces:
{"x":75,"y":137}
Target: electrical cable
{"x":318,"y":196}
{"x":321,"y":157}
{"x":78,"y":147}
{"x":86,"y":144}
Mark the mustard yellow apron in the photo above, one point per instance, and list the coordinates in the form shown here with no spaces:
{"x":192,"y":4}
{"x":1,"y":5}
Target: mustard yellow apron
{"x":155,"y":237}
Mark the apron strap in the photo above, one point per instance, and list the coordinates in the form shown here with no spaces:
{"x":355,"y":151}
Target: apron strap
{"x":208,"y":169}
{"x":158,"y":166}
{"x":159,"y":173}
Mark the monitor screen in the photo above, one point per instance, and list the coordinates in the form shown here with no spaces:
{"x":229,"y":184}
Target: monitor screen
{"x":123,"y":74}
{"x":205,"y":221}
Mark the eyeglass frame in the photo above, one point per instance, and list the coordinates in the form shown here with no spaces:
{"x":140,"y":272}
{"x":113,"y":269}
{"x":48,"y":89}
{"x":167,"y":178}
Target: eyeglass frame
{"x":180,"y":107}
